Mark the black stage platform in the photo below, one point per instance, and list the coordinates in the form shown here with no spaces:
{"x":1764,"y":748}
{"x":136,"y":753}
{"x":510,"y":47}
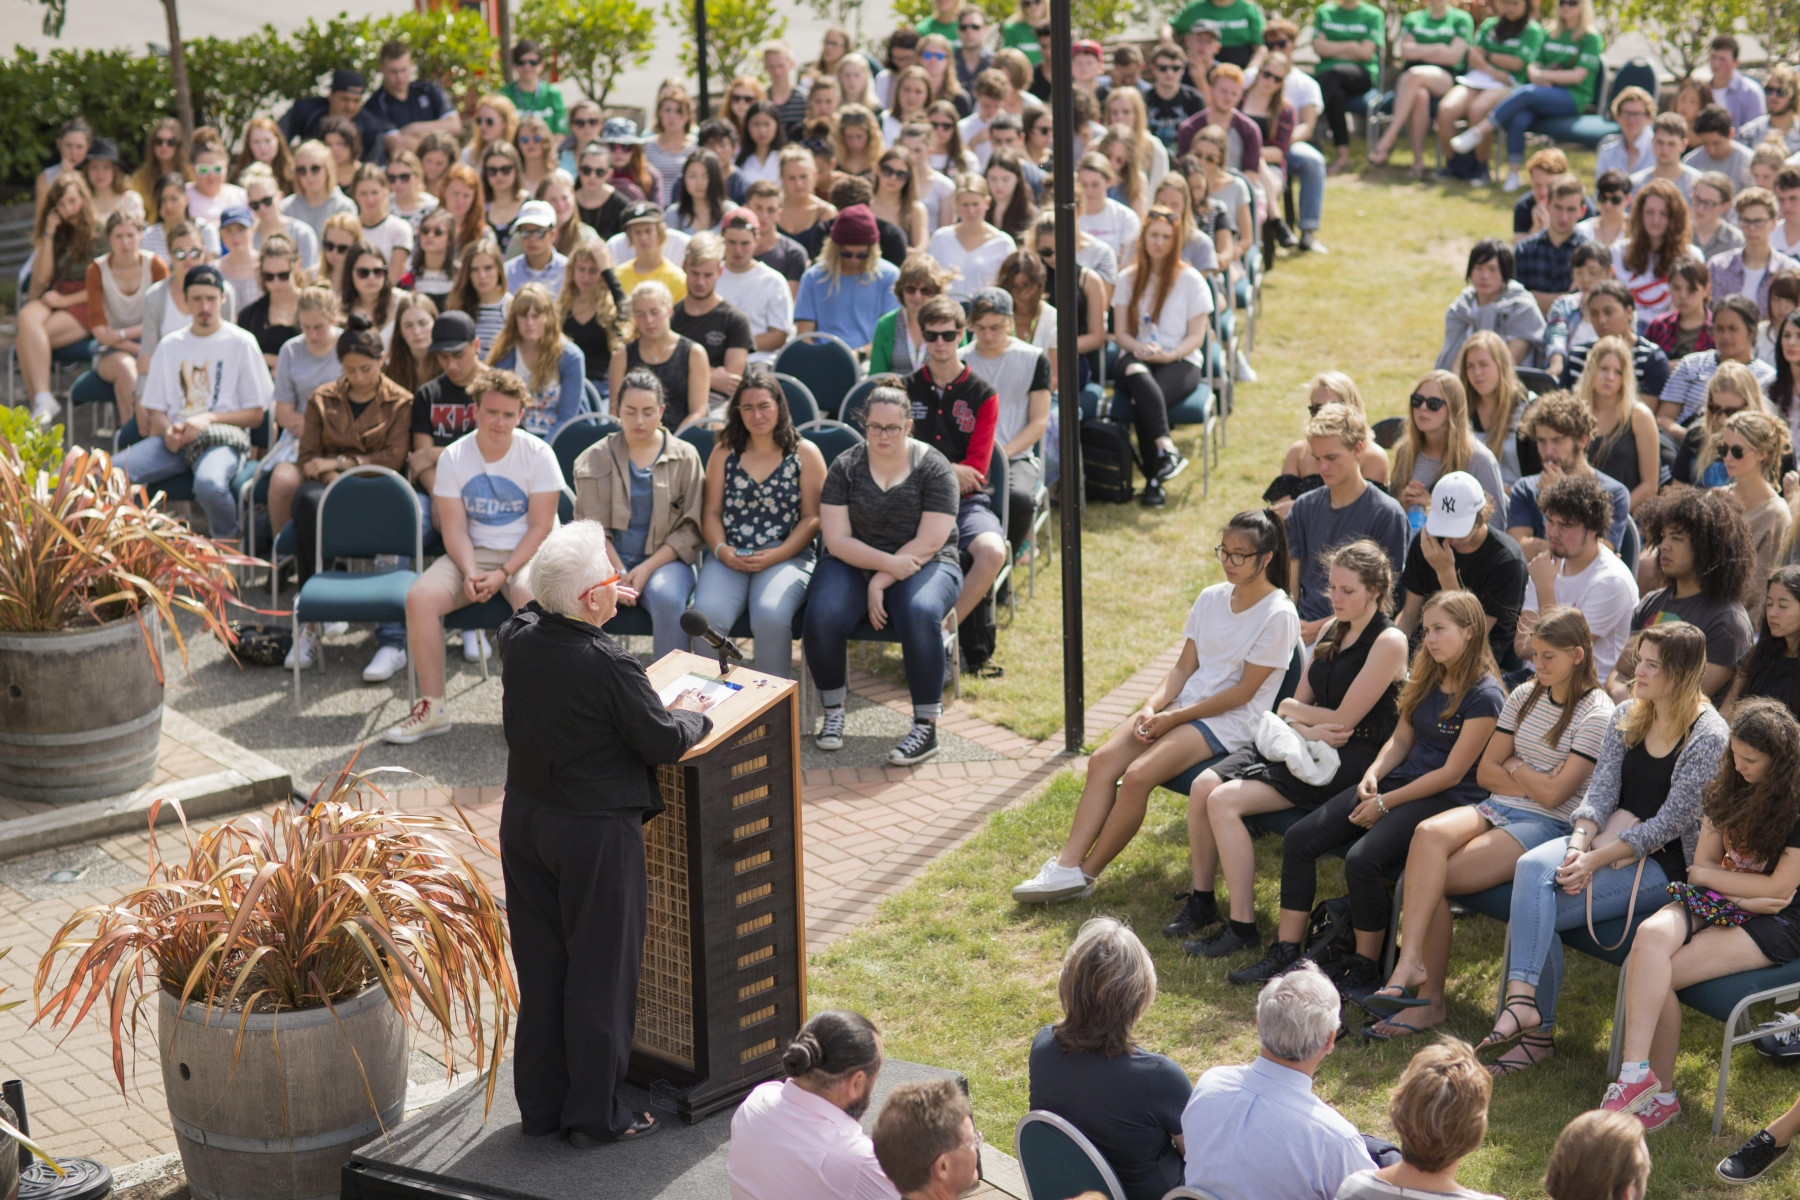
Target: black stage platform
{"x":448,"y":1152}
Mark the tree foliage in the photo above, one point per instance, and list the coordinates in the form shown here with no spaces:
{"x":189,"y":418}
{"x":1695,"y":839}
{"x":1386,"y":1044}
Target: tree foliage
{"x":1680,"y":29}
{"x":593,"y":41}
{"x":734,"y":29}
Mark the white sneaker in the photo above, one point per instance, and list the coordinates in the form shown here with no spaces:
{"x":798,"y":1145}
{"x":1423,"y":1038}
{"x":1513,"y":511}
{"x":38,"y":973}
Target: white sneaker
{"x":304,"y":652}
{"x":429,"y":718}
{"x":45,"y":409}
{"x":1513,"y":182}
{"x":1245,"y":374}
{"x":1468,"y":139}
{"x":1052,"y":883}
{"x":388,"y":662}
{"x":474,"y":643}
{"x":336,"y":628}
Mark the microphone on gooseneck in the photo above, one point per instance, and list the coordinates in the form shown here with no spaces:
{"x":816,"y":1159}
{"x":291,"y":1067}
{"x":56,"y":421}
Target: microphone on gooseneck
{"x":695,"y":624}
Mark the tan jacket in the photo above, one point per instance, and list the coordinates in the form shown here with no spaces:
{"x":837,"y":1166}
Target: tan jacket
{"x":382,"y":435}
{"x":678,"y":485}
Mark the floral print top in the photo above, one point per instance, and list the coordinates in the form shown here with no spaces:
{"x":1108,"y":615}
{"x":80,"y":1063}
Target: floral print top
{"x":761,"y":514}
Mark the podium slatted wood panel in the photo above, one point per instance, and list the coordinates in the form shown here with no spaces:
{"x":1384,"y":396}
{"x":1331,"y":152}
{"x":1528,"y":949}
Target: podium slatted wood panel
{"x":723,"y":985}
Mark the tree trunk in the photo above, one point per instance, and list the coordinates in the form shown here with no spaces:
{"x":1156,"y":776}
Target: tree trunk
{"x":503,"y":10}
{"x":184,"y":98}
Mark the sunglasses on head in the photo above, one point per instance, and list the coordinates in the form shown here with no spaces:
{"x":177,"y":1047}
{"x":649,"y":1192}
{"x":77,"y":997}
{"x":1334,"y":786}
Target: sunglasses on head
{"x":277,"y":276}
{"x":1434,"y":403}
{"x":370,"y":272}
{"x":941,"y":335}
{"x":740,"y":98}
{"x":259,"y":205}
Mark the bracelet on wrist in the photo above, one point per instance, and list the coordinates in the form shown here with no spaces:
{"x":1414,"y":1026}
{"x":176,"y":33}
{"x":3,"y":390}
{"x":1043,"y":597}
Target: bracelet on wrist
{"x":1380,"y":804}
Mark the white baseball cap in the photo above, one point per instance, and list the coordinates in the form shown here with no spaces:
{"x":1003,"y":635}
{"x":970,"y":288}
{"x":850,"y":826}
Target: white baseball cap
{"x":1455,"y":506}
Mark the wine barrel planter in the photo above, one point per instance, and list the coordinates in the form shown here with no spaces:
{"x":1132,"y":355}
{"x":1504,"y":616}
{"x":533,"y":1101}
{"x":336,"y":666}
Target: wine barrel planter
{"x":80,"y":712}
{"x":280,"y":1121}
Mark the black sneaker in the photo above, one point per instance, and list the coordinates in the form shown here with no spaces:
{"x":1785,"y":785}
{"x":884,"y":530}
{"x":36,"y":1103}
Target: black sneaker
{"x":1284,"y":234}
{"x":1222,"y":942}
{"x":1170,"y":464}
{"x":1353,"y":972}
{"x":1196,"y":914}
{"x":1281,"y":958}
{"x":1752,"y":1160}
{"x":1153,"y":495}
{"x":919,"y":744}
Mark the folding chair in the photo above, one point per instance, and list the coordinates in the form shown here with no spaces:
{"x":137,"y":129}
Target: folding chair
{"x":1059,"y":1162}
{"x":365,"y":512}
{"x":824,"y":363}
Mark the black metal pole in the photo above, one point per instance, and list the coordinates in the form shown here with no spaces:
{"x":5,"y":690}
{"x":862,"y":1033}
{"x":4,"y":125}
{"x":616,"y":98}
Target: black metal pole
{"x":1068,"y":380}
{"x":700,"y":56}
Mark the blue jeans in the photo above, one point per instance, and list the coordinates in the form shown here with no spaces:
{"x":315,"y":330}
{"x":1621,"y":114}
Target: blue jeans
{"x":1541,"y":910}
{"x":1519,"y":111}
{"x":666,"y":597}
{"x":1307,"y":165}
{"x":838,"y":602}
{"x":772,"y":596}
{"x":150,"y":462}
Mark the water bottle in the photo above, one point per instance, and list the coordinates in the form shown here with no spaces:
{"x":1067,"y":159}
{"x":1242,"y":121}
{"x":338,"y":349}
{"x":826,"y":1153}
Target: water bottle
{"x":1415,"y":517}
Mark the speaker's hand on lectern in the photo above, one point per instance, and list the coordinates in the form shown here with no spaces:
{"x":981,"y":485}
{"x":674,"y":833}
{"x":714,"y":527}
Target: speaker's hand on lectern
{"x":689,"y":701}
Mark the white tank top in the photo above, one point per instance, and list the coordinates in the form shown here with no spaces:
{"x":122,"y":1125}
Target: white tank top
{"x":125,"y":309}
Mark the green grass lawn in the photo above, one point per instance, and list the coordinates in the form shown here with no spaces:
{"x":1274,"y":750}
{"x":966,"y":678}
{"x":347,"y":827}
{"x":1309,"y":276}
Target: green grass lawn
{"x":1373,"y":307}
{"x":957,"y":975}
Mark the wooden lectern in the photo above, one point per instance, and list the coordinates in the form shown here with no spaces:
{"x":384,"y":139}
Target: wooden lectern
{"x":723,"y":990}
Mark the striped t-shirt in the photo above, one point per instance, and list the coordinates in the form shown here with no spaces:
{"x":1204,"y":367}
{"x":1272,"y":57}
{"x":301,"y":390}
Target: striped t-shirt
{"x":1587,"y":729}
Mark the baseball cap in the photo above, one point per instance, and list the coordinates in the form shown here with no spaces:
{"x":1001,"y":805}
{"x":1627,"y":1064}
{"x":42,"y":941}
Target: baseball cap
{"x":536,"y":212}
{"x":204,"y":275}
{"x":991,"y":301}
{"x":1086,"y":46}
{"x":1456,"y":504}
{"x":1211,"y":27}
{"x":346,"y":80}
{"x":236,"y":214}
{"x":637,"y":214}
{"x":451,"y":332}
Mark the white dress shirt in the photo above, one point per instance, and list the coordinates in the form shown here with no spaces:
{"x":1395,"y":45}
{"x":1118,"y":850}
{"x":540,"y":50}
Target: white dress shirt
{"x":1258,"y":1132}
{"x":788,"y":1144}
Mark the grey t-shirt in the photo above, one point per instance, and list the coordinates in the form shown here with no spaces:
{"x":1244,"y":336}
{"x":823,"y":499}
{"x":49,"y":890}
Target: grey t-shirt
{"x":1314,"y":528}
{"x":887,"y":520}
{"x":315,"y":215}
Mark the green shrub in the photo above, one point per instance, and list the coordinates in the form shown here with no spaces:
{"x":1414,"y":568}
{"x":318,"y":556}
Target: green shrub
{"x":734,"y":29}
{"x":593,"y":41}
{"x":39,"y":448}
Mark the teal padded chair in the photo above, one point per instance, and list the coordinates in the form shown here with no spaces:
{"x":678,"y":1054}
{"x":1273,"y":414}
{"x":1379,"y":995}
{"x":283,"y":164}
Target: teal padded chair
{"x":701,"y":438}
{"x":825,"y":364}
{"x":581,"y":432}
{"x":1059,"y":1162}
{"x":803,"y":406}
{"x":365,"y":512}
{"x":831,"y":437}
{"x":849,"y":411}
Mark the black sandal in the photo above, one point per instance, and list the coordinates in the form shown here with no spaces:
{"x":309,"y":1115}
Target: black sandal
{"x":1496,"y":1038}
{"x":1536,"y":1046}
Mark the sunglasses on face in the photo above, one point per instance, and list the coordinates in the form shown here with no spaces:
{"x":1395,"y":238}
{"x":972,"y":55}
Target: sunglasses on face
{"x":309,"y":169}
{"x":165,"y":141}
{"x":1278,"y":43}
{"x":1271,"y":77}
{"x":400,"y":177}
{"x":595,"y":172}
{"x":1737,"y":450}
{"x":529,"y":138}
{"x":531,"y":62}
{"x":338,"y":247}
{"x":502,"y":169}
{"x":277,"y":276}
{"x":740,"y":98}
{"x":1047,"y":253}
{"x":943,"y":126}
{"x":913,"y":289}
{"x":1612,"y":197}
{"x":434,"y":231}
{"x":370,"y":272}
{"x":1716,"y":410}
{"x":534,"y":234}
{"x":584,"y":122}
{"x":895,"y":173}
{"x":208,"y":169}
{"x":187,"y":255}
{"x":487,"y":122}
{"x":1169,"y":68}
{"x":1433,"y":403}
{"x":933,"y":55}
{"x":853,"y":255}
{"x":259,"y":205}
{"x":941,"y":335}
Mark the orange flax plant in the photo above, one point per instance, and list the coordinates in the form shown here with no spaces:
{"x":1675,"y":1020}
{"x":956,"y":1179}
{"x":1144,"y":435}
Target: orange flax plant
{"x":296,"y":911}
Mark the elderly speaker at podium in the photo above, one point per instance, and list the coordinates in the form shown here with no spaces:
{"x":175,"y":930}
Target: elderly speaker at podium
{"x":584,"y":732}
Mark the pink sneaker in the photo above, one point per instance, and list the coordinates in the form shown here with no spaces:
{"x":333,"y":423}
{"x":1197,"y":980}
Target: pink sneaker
{"x":1631,"y":1097}
{"x":1656,"y":1114}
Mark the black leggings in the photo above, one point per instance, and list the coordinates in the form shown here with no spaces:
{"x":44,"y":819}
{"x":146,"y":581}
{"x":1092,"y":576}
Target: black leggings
{"x":306,"y":525}
{"x":1376,"y":851}
{"x":1150,"y":386}
{"x":1337,"y":87}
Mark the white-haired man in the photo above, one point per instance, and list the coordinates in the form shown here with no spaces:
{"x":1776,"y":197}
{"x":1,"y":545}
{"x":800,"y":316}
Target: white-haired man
{"x":1257,"y":1132}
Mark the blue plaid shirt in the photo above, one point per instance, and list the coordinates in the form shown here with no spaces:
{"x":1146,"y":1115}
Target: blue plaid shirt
{"x":1543,"y":266}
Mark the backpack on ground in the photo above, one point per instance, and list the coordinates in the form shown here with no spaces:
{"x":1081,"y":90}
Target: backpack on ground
{"x":1106,"y":461}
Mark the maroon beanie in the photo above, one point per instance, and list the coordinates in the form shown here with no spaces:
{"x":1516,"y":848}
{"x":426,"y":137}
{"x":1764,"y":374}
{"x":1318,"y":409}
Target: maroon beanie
{"x":855,"y":226}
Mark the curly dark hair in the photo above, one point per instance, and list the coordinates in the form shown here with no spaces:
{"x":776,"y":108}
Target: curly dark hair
{"x":1755,"y":819}
{"x":1577,"y":500}
{"x":1724,"y":558}
{"x":1758,"y":673}
{"x":735,"y":436}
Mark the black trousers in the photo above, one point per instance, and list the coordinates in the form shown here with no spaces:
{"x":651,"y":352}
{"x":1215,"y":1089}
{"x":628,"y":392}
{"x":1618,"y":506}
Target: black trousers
{"x":306,"y":525}
{"x":1023,"y":475}
{"x":1337,"y":87}
{"x":575,"y":903}
{"x":1152,"y":388}
{"x":1376,"y":851}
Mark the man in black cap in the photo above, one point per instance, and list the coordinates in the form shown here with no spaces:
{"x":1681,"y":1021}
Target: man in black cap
{"x":442,"y":410}
{"x":344,"y":100}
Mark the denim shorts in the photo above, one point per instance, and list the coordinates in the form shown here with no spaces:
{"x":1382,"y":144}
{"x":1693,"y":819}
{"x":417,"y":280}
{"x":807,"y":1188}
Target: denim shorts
{"x":1212,"y":739}
{"x":1529,"y":827}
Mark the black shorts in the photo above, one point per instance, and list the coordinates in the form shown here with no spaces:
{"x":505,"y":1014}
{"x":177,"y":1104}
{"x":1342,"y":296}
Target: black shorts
{"x":1353,"y":759}
{"x":1777,"y":936}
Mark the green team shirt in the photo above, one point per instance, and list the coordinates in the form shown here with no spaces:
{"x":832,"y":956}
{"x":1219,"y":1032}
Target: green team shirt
{"x":947,"y":28}
{"x":1524,"y":47}
{"x":547,"y":101}
{"x":1021,"y":36}
{"x":1562,"y":52}
{"x":1428,"y":30}
{"x":1240,"y":22}
{"x":1340,"y":24}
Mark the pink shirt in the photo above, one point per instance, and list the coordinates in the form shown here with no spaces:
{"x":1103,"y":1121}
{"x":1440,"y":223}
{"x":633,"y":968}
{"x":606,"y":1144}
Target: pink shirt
{"x":788,"y":1144}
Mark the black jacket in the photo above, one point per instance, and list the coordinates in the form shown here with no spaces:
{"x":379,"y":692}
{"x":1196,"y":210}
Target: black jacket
{"x":584,"y":728}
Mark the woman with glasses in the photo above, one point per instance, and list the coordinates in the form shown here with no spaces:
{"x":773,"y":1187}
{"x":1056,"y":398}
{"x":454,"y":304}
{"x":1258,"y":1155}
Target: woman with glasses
{"x":678,"y":363}
{"x":537,"y":150}
{"x":165,"y":153}
{"x":586,"y":119}
{"x":1559,"y":82}
{"x":496,"y":122}
{"x":948,"y":153}
{"x":369,"y":290}
{"x":1434,"y":48}
{"x":209,"y":195}
{"x":601,"y":205}
{"x":1090,"y":286}
{"x":631,"y":171}
{"x":531,"y":346}
{"x":745,"y":91}
{"x":1237,"y":643}
{"x":1633,"y":109}
{"x":1709,"y":200}
{"x":1266,"y":104}
{"x":342,"y":232}
{"x":264,"y":143}
{"x":1612,"y":191}
{"x":317,"y":197}
{"x":934,"y":55}
{"x":896,"y":197}
{"x":898,"y":345}
{"x":480,"y":291}
{"x":971,"y":250}
{"x":118,"y":284}
{"x":1438,"y":441}
{"x":503,"y":189}
{"x":406,"y":181}
{"x":343,"y":140}
{"x":273,"y":318}
{"x":171,"y":209}
{"x":437,"y":152}
{"x":1299,"y":469}
{"x":1700,"y":461}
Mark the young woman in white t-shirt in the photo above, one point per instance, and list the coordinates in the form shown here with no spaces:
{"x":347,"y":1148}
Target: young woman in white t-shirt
{"x":972,"y":248}
{"x":1098,"y":214}
{"x":1239,"y":638}
{"x":1160,"y":313}
{"x":391,"y":235}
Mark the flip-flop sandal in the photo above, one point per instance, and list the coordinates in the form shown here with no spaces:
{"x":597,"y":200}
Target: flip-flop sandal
{"x":1383,"y":1002}
{"x":1496,"y":1038}
{"x":1369,"y":1034}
